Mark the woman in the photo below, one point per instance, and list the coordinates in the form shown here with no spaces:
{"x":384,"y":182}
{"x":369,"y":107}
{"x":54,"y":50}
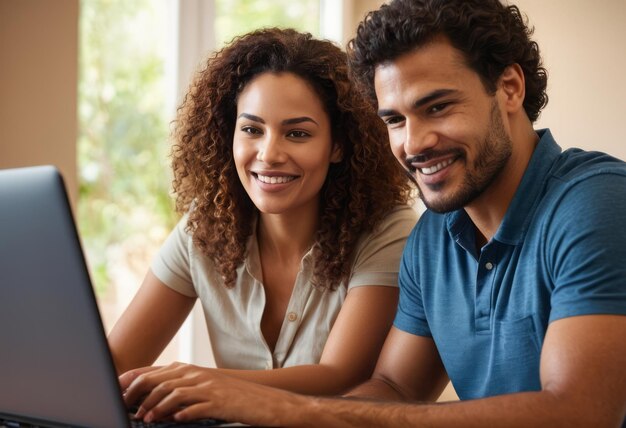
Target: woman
{"x":295,"y":219}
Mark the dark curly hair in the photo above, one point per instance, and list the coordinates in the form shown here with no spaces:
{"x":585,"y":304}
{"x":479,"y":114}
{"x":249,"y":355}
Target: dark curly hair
{"x":491,"y":37}
{"x":358,"y":191}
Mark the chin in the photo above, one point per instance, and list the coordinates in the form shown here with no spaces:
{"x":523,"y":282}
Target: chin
{"x":271,"y":209}
{"x":443,"y":204}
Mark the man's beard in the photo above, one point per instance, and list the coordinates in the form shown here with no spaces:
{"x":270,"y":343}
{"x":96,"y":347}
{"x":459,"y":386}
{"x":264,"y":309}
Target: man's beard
{"x":491,"y":158}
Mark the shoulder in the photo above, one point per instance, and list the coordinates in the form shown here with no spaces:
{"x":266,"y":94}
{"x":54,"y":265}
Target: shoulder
{"x":589,"y":182}
{"x":576,"y":165}
{"x":396,"y":224}
{"x":580,"y":219}
{"x":402,"y":217}
{"x":380,"y":250}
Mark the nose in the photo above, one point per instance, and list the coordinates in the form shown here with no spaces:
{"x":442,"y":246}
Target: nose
{"x":419,"y":138}
{"x":271,"y":150}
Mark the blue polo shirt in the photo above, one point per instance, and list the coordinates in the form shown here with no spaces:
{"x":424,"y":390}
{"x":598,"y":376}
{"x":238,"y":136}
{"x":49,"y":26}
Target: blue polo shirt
{"x":558,"y":253}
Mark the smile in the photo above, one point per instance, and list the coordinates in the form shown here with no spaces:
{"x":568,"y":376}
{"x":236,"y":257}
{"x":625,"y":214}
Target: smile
{"x":280,"y":179}
{"x":436,"y":168}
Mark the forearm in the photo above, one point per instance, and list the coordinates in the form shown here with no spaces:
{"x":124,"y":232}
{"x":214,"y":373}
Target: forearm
{"x":537,"y":409}
{"x":127,"y":355}
{"x":314,"y":379}
{"x":376,"y":389}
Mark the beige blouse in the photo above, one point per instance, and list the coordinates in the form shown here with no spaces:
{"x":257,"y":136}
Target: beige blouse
{"x":233,"y":315}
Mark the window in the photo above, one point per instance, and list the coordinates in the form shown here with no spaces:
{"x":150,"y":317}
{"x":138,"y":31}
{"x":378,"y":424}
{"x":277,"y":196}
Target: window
{"x":234,"y":17}
{"x":124,"y":207}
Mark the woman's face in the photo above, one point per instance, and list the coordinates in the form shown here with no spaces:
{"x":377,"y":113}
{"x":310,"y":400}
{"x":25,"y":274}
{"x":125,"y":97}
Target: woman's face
{"x":282,"y":143}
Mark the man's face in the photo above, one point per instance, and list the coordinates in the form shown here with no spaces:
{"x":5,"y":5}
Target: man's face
{"x":444,"y":128}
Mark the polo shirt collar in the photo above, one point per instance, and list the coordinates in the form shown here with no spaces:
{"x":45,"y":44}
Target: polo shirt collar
{"x":520,"y":212}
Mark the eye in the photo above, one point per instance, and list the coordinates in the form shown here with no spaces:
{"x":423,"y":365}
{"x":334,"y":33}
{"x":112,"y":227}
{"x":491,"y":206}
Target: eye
{"x":298,"y":134}
{"x":438,"y":108}
{"x":251,"y":130}
{"x":390,"y":121}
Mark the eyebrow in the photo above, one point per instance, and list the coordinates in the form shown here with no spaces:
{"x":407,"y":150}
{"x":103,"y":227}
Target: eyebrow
{"x":434,"y":95}
{"x":251,"y":117}
{"x":296,"y":120}
{"x":291,"y":121}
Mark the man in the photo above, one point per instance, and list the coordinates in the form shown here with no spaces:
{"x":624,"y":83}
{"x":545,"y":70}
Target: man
{"x":513,"y":283}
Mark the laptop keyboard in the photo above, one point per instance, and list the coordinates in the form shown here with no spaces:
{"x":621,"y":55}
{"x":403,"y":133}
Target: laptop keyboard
{"x":134,"y":423}
{"x":138,"y":423}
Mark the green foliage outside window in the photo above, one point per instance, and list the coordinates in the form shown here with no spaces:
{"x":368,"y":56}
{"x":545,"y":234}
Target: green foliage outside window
{"x":123,"y":132}
{"x":235,"y":17}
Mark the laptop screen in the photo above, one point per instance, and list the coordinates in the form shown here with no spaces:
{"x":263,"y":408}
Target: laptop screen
{"x":55,"y":365}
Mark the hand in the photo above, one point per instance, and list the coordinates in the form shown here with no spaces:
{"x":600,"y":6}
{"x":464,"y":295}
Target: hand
{"x":125,"y":379}
{"x":186,"y":392}
{"x":147,"y":386}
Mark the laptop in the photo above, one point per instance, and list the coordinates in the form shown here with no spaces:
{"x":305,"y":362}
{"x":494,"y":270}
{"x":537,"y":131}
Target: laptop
{"x":56,"y":369}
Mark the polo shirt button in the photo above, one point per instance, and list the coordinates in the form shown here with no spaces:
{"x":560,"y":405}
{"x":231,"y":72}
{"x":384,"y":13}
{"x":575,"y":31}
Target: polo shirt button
{"x":489,"y":265}
{"x":291,"y":316}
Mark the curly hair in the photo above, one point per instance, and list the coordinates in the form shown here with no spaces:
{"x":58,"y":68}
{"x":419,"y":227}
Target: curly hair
{"x":491,"y":37}
{"x":358,"y":191}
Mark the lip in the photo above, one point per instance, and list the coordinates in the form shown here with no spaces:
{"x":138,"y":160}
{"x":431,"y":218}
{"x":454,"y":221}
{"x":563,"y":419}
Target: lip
{"x":440,"y":167}
{"x":273,"y":187}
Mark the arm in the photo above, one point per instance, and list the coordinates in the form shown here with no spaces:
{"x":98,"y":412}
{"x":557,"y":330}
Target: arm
{"x":347,"y":358}
{"x":148,"y":324}
{"x":408,"y":369}
{"x":396,"y":373}
{"x":583,"y":384}
{"x":582,"y":376}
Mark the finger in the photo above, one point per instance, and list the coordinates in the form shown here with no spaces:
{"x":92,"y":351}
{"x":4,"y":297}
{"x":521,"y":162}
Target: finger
{"x":125,"y":379}
{"x":159,"y":393}
{"x":145,"y":381}
{"x":209,"y":410}
{"x":178,"y":398}
{"x":203,"y":410}
{"x":229,"y":400}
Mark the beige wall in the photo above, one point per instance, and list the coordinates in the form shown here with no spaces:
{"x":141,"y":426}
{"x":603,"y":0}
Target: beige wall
{"x":584,"y":48}
{"x":38,"y":85}
{"x":355,"y":11}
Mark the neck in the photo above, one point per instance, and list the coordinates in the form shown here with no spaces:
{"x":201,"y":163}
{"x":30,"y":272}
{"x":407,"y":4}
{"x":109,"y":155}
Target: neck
{"x":488,"y":210}
{"x":287,"y":236}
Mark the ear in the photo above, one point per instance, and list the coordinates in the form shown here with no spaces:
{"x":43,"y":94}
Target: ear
{"x":336,"y":155}
{"x":512,"y":88}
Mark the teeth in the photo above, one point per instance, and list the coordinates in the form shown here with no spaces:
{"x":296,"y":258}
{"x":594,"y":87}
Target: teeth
{"x":275,"y":179}
{"x":433,"y":169}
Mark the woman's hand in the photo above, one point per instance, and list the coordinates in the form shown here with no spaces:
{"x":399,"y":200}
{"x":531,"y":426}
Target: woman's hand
{"x":146,"y":387}
{"x":186,"y":392}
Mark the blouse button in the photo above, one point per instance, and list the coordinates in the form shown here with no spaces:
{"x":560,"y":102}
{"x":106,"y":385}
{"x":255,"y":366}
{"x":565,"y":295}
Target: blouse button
{"x":489,"y":265}
{"x":291,"y":316}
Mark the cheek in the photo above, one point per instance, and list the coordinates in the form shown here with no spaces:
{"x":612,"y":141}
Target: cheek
{"x":397,"y":148}
{"x":318,"y":166}
{"x":241,"y":155}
